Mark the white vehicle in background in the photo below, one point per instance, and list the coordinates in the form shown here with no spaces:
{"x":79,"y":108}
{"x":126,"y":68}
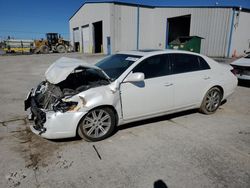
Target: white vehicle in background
{"x":242,"y":67}
{"x":90,"y":101}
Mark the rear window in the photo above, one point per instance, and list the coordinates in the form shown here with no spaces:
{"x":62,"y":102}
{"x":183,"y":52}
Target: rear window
{"x":203,"y":63}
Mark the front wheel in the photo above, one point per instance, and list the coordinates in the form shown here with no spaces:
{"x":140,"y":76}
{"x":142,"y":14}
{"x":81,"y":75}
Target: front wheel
{"x":97,"y":124}
{"x":211,"y":101}
{"x":44,"y":49}
{"x":61,"y":48}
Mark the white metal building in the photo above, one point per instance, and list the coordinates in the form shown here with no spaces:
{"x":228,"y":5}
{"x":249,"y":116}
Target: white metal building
{"x":109,"y":26}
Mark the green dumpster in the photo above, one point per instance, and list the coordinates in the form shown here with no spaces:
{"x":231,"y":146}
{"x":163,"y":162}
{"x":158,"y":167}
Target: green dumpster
{"x":188,"y":43}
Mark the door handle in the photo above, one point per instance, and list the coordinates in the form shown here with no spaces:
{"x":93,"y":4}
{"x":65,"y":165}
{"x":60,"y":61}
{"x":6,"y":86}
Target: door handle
{"x":168,"y":84}
{"x":206,"y":77}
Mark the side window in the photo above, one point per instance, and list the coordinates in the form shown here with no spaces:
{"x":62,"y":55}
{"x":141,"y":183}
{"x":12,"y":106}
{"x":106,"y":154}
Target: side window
{"x":203,"y":64}
{"x":182,"y":63}
{"x":154,"y":66}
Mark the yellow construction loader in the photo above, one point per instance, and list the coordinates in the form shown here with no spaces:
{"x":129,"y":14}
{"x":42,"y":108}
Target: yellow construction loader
{"x":53,"y":43}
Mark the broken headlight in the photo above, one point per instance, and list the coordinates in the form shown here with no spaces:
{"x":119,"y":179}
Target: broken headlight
{"x":63,"y":106}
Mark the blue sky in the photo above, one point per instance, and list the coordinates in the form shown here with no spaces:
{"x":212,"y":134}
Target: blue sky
{"x":31,"y":19}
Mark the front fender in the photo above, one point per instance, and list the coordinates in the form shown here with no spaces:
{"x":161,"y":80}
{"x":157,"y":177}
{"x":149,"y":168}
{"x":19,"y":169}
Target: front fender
{"x":99,"y":96}
{"x":60,"y":125}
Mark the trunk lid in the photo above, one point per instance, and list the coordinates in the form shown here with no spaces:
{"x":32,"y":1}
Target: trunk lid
{"x":244,"y":62}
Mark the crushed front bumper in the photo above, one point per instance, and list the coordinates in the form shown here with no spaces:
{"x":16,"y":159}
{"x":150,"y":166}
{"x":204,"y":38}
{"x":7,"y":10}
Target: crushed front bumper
{"x":51,"y":124}
{"x":38,"y":116}
{"x":59,"y":125}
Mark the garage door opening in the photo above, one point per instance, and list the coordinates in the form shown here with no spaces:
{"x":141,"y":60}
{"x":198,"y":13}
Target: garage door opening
{"x":76,"y":39}
{"x":97,"y":27}
{"x":178,"y":26}
{"x":76,"y":46}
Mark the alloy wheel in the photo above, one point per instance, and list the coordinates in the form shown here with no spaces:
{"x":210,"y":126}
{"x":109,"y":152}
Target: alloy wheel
{"x":213,"y":99}
{"x":97,"y":123}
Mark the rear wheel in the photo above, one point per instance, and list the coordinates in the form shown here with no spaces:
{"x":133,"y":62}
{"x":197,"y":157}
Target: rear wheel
{"x":61,"y":48}
{"x":211,"y":101}
{"x":97,"y":125}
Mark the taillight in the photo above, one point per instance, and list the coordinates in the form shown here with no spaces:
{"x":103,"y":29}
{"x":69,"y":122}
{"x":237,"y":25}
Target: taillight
{"x":234,"y":71}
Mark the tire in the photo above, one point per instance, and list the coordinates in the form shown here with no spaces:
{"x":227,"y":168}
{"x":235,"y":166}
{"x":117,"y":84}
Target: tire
{"x":44,"y":49}
{"x":211,"y":101}
{"x":61,"y":48}
{"x":97,"y":124}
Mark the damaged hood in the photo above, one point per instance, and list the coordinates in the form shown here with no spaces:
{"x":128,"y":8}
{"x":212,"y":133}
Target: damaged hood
{"x":60,"y":69}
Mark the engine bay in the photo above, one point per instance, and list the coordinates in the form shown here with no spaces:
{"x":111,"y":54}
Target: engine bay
{"x":49,"y":96}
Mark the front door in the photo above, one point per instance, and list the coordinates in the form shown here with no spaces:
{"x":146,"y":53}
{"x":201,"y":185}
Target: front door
{"x":152,"y":96}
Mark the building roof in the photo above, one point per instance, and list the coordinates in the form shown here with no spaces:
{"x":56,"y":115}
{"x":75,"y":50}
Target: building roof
{"x":180,"y":3}
{"x":243,"y":4}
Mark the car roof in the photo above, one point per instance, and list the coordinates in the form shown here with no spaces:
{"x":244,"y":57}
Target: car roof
{"x":150,"y":52}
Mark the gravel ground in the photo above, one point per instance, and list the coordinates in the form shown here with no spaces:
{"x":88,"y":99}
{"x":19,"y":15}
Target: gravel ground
{"x":186,"y":149}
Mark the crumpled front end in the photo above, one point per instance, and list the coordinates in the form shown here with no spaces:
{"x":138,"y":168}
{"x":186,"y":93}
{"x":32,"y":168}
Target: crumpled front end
{"x":56,"y":108}
{"x":53,"y":113}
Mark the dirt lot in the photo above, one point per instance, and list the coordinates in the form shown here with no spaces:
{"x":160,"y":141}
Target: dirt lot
{"x":181,"y":150}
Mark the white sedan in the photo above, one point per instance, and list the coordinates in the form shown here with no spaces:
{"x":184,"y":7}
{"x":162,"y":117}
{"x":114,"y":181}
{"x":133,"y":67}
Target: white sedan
{"x":90,"y":101}
{"x":242,"y":68}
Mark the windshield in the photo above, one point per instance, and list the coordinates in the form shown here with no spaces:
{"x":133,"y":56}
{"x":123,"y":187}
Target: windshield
{"x":115,"y":65}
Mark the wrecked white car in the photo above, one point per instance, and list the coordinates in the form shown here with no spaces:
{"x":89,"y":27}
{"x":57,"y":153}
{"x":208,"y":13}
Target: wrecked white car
{"x":77,"y":98}
{"x":242,"y":67}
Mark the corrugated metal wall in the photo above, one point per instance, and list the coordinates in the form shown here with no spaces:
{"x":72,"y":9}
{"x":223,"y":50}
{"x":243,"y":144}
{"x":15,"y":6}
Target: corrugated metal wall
{"x":214,"y":26}
{"x":211,"y":24}
{"x":120,"y":23}
{"x":241,"y":33}
{"x":89,"y":14}
{"x":125,"y":22}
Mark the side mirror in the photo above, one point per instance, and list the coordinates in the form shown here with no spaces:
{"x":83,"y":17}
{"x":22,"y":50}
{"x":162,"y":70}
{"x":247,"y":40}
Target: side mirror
{"x":135,"y":77}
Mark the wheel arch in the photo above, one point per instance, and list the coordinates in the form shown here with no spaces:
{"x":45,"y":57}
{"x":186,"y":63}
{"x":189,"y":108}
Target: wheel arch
{"x":221,"y":89}
{"x":202,"y":106}
{"x":101,"y":106}
{"x":212,"y":86}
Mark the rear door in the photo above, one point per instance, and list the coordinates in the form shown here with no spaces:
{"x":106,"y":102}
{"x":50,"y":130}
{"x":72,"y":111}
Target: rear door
{"x":191,"y":75}
{"x":152,"y":96}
